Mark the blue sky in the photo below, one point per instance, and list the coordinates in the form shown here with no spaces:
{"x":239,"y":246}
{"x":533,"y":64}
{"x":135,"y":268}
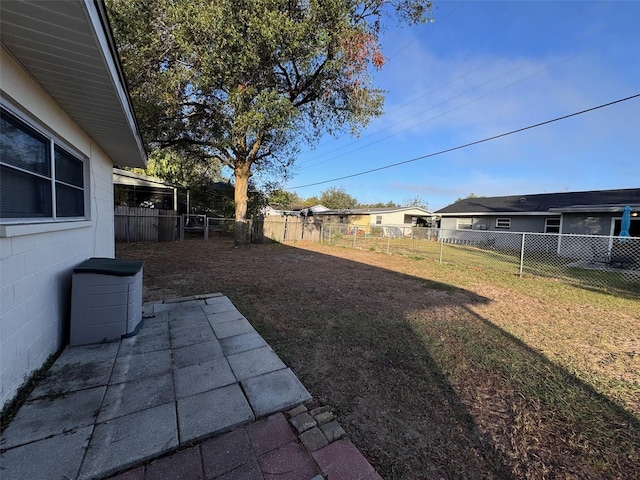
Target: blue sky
{"x":484,"y":68}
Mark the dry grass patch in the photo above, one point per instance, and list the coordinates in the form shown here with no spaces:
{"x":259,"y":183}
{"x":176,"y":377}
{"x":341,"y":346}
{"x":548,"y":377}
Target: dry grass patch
{"x":435,"y":371}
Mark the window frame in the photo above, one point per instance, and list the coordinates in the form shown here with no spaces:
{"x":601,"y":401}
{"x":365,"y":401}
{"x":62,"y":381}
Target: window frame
{"x":53,"y":144}
{"x":503,"y":220}
{"x":546,"y":224}
{"x":378,"y":219}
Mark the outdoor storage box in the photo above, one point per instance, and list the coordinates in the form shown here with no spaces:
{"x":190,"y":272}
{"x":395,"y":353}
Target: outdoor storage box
{"x":106,"y":300}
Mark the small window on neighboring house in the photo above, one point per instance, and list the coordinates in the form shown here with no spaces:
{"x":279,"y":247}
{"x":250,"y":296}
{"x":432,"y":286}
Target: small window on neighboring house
{"x":378,"y":219}
{"x":503,"y":223}
{"x":340,"y":219}
{"x":552,"y":225}
{"x":38,"y":178}
{"x":465,"y":223}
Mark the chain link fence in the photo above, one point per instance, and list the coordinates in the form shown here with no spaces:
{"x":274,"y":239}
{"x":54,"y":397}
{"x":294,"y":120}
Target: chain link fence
{"x":603,"y":262}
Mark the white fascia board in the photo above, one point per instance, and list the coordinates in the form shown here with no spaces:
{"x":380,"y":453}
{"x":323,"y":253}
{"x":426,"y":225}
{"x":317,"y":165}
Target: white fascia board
{"x":117,"y":79}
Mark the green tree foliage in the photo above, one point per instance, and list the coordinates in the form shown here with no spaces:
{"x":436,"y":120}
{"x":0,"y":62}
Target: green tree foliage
{"x":311,"y":201}
{"x":471,"y":195}
{"x":379,"y":205}
{"x":416,"y":201}
{"x":283,"y":198}
{"x":178,"y":169}
{"x":336,"y":199}
{"x":243,"y":82}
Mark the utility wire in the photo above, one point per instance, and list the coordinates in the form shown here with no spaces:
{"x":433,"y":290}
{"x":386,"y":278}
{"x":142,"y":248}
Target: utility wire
{"x":412,"y":101}
{"x":459,"y":147}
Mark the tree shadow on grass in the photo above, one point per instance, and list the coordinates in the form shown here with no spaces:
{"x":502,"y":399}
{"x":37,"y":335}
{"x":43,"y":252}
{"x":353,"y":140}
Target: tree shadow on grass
{"x":424,"y":387}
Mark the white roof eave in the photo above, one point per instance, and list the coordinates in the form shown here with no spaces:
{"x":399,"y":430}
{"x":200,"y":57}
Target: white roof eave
{"x":59,"y":43}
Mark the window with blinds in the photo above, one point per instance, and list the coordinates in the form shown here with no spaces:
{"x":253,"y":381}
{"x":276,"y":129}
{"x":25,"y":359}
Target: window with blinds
{"x":39,"y":179}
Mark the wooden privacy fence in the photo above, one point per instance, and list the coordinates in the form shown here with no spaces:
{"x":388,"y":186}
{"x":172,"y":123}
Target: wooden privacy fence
{"x":145,"y":224}
{"x":287,"y":229}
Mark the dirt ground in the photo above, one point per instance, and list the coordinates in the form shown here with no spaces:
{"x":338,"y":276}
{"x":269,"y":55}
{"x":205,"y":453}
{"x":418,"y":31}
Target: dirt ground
{"x":425,"y":367}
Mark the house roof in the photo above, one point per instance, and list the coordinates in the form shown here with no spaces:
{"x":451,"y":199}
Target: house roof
{"x":125,"y":177}
{"x":597,"y":200}
{"x":372,"y":211}
{"x":68,"y":48}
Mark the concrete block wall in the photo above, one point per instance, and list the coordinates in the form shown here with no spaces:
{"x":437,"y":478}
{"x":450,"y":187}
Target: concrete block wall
{"x":35,"y":273}
{"x":37,"y":259}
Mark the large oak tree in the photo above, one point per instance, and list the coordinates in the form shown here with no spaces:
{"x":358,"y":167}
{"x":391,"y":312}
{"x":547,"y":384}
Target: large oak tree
{"x":245,"y":82}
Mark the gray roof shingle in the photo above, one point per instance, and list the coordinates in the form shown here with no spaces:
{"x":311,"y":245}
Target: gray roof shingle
{"x":543,"y":202}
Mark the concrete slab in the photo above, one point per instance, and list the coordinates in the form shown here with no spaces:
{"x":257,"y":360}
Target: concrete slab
{"x":222,"y":317}
{"x":179,"y":312}
{"x":130,"y":397}
{"x":185,"y":323}
{"x":129,"y":368}
{"x":101,"y":352}
{"x":57,"y":457}
{"x":201,"y":377}
{"x":255,"y":362}
{"x":205,"y":296}
{"x":190,"y":336}
{"x":218,"y":410}
{"x":152,"y":326}
{"x":229,"y":329}
{"x":42,"y":418}
{"x":274,"y":391}
{"x":218,"y":305}
{"x":179,"y":300}
{"x":125,"y":441}
{"x":196,"y":353}
{"x":144,"y":344}
{"x":71,"y":377}
{"x":192,"y":303}
{"x":164,"y":307}
{"x":242,"y":343}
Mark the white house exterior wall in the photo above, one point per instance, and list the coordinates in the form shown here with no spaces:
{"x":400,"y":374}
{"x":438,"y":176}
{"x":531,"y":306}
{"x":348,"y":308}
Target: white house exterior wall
{"x":395,"y":218}
{"x":36,"y":260}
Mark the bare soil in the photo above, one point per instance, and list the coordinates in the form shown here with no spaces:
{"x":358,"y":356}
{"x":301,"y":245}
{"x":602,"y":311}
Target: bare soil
{"x":435,"y":372}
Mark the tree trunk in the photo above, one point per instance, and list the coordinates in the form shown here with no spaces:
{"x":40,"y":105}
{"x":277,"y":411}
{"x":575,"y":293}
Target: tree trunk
{"x":242,"y":173}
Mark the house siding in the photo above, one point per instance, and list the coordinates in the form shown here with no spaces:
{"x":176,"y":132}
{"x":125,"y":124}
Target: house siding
{"x":534,"y":224}
{"x":36,"y":268}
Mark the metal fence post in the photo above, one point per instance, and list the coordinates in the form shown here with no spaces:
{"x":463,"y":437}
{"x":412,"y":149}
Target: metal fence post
{"x":522,"y":254}
{"x":355,"y":232}
{"x":181,"y":220}
{"x":441,"y":247}
{"x":206,"y":228}
{"x":388,"y":243}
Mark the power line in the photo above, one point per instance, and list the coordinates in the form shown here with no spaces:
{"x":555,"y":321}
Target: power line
{"x":474,"y":88}
{"x":459,"y":147}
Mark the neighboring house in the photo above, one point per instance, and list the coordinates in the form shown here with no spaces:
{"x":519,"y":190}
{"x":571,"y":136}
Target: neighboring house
{"x":138,"y":190}
{"x":66,"y":118}
{"x":371,"y":217}
{"x":591,"y":213}
{"x":309,"y":212}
